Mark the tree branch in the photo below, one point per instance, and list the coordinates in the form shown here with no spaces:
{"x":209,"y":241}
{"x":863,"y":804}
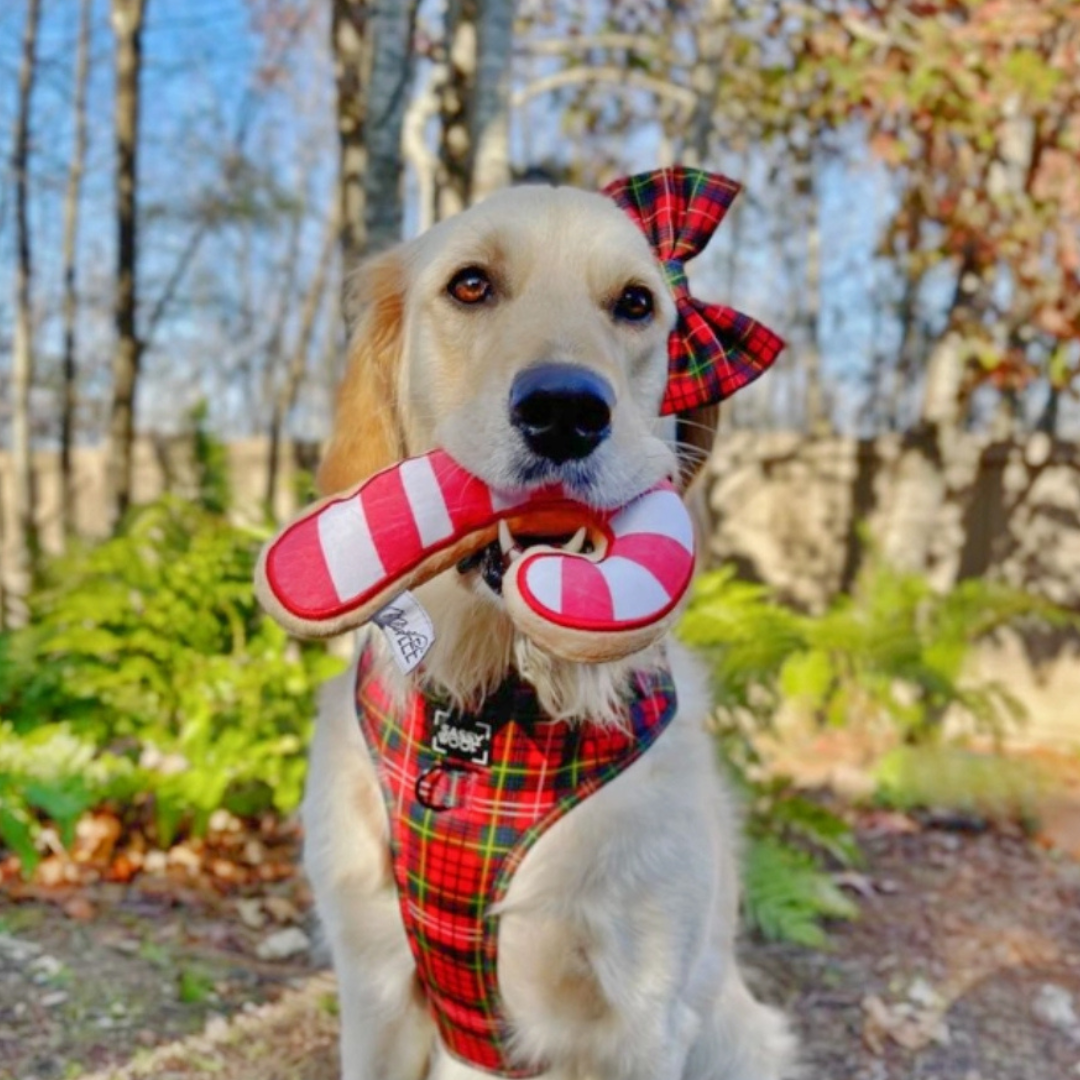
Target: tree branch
{"x":616,"y":76}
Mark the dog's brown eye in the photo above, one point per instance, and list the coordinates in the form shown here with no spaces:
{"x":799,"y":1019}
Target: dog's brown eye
{"x":470,"y":286}
{"x":635,"y":304}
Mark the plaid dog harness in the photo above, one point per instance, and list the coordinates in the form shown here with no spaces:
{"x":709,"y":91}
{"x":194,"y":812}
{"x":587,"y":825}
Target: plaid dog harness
{"x":467,"y":797}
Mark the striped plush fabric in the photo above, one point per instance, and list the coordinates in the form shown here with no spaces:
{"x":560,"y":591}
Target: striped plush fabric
{"x":467,"y":796}
{"x":713,"y":350}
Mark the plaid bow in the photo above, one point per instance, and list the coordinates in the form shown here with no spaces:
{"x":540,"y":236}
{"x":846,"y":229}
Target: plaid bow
{"x":713,"y":350}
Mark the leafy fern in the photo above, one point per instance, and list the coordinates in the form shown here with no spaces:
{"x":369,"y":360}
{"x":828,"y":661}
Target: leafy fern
{"x":787,"y":894}
{"x":149,"y":671}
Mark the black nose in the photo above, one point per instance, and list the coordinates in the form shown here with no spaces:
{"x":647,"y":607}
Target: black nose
{"x":563,"y":411}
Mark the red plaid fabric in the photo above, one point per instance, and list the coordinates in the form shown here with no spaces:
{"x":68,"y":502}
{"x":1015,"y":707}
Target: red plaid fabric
{"x":459,"y":828}
{"x":713,"y":350}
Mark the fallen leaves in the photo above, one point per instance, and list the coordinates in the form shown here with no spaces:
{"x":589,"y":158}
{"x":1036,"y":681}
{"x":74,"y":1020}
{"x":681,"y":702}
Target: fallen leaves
{"x":913,"y":1023}
{"x":233,"y":857}
{"x":80,"y":908}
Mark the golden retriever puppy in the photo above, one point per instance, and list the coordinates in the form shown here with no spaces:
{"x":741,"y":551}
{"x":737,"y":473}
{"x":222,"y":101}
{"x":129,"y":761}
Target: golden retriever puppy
{"x":615,"y":937}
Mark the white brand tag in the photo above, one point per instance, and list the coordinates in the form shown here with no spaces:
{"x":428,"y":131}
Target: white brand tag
{"x":408,"y":630}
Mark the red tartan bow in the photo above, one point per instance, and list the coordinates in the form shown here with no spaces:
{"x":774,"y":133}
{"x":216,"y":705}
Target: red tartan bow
{"x":713,"y":350}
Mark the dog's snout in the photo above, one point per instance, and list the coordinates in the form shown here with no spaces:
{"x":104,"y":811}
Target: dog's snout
{"x":563,"y":411}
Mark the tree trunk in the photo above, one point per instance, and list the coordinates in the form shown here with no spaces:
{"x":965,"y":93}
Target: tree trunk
{"x":710,"y":35}
{"x":23,"y":526}
{"x":391,"y":25}
{"x":127,"y":22}
{"x":348,"y":26}
{"x":69,"y":398}
{"x":373,"y":65}
{"x":920,"y":500}
{"x":915,"y":519}
{"x":455,"y":142}
{"x":474,"y":103}
{"x":489,"y":108}
{"x":4,"y":608}
{"x":285,"y":398}
{"x":421,"y":157}
{"x":816,"y":421}
{"x":1048,"y":418}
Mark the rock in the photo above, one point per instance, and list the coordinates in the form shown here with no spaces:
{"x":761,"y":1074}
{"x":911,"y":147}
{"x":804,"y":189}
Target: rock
{"x":44,"y":968}
{"x":57,"y":997}
{"x":17,"y":950}
{"x":217,"y":1027}
{"x":282,"y":909}
{"x":1054,"y":1005}
{"x":920,"y":992}
{"x":284,"y":943}
{"x":251,"y":913}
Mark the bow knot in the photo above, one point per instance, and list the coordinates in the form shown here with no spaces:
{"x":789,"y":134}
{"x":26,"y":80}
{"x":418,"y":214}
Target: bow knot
{"x":713,"y":350}
{"x":675,"y":272}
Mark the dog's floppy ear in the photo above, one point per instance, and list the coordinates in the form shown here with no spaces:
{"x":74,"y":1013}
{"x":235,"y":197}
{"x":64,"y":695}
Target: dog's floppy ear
{"x":695,"y":432}
{"x":367,"y":434}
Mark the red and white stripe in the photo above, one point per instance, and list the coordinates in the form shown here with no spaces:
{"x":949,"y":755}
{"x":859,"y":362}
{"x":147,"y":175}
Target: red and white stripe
{"x":639,"y":579}
{"x":347,"y":550}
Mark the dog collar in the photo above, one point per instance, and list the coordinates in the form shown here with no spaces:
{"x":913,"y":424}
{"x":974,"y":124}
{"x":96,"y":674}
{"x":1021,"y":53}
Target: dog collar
{"x":467,"y":795}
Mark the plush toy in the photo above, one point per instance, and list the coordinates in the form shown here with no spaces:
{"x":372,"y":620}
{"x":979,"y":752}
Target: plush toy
{"x":608,"y":591}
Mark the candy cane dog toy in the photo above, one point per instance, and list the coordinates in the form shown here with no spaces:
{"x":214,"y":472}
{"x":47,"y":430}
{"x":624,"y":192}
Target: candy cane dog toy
{"x":343,"y":560}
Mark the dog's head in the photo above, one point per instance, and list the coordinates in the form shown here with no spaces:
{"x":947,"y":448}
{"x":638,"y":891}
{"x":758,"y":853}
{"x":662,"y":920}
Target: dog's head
{"x":531,"y":338}
{"x":527,"y":337}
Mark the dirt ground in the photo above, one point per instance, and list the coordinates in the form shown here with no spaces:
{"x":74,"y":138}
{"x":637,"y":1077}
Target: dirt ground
{"x":965,"y":965}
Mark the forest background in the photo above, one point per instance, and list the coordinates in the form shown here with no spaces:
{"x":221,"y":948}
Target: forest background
{"x":185,"y":187}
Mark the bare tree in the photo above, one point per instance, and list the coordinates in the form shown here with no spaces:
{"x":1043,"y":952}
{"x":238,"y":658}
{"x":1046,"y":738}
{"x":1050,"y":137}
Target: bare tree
{"x":23,"y":352}
{"x":489,"y":113}
{"x":373,"y":62}
{"x":711,"y":34}
{"x":474,"y":102}
{"x":454,"y":88}
{"x":286,"y":394}
{"x":348,"y":40}
{"x":70,"y":302}
{"x":128,"y":18}
{"x":391,"y":27}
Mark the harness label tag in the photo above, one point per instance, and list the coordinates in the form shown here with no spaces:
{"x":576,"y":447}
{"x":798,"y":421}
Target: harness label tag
{"x":464,"y":738}
{"x":408,"y":630}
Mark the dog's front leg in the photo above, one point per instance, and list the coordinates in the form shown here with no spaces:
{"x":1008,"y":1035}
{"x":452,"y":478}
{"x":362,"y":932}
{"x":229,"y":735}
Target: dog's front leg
{"x":386,"y":1033}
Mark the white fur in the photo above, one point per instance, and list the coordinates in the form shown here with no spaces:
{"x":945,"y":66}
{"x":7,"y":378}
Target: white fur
{"x":616,"y":941}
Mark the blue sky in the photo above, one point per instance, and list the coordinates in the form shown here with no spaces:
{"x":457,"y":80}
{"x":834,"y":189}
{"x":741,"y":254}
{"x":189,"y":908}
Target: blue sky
{"x":201,"y":88}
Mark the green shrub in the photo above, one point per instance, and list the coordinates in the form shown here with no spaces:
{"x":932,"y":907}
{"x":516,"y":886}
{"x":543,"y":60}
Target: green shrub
{"x":989,"y":787}
{"x":149,"y":672}
{"x":893,"y":651}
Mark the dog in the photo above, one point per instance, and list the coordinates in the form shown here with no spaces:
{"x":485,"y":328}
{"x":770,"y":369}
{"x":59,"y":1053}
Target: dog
{"x":615,"y":938}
